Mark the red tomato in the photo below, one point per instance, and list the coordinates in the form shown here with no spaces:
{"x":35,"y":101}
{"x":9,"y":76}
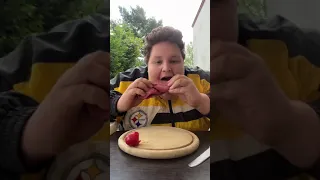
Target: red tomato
{"x":132,"y":139}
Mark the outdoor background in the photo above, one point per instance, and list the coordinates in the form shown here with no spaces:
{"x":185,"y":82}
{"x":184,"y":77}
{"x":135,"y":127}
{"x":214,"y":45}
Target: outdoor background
{"x":20,"y":18}
{"x":131,"y":20}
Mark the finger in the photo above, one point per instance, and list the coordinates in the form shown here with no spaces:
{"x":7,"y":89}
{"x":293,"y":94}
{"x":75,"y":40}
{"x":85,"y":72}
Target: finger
{"x":139,"y":81}
{"x":88,"y":71}
{"x":147,"y":82}
{"x":103,"y":58}
{"x":229,"y":67}
{"x":97,"y":113}
{"x":180,"y":90}
{"x":95,"y":74}
{"x":139,"y":85}
{"x":137,"y":91}
{"x":99,"y":57}
{"x":143,"y":84}
{"x":226,"y":91}
{"x":100,"y":68}
{"x":93,"y":95}
{"x":181,"y":82}
{"x":175,"y":78}
{"x":218,"y":48}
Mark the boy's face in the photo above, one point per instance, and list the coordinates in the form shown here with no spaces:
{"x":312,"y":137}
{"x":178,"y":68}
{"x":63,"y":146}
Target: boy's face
{"x":165,"y":61}
{"x":223,"y":20}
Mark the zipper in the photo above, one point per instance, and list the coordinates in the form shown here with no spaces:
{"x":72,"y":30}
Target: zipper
{"x":171,"y":112}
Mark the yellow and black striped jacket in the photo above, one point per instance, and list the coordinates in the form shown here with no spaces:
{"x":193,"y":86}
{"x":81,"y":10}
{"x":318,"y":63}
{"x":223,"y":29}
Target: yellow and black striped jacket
{"x":155,"y":110}
{"x":27,"y":75}
{"x":33,"y":68}
{"x":293,"y":57}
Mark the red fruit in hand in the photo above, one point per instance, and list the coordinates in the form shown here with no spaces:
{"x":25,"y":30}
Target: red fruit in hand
{"x":132,"y":139}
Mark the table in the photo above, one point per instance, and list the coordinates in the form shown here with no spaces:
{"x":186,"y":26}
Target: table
{"x":124,"y":166}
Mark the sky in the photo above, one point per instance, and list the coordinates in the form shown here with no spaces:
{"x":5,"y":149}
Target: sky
{"x":176,"y":13}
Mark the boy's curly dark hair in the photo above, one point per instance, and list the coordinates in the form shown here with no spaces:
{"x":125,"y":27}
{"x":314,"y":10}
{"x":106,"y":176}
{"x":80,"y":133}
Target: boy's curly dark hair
{"x":163,"y":34}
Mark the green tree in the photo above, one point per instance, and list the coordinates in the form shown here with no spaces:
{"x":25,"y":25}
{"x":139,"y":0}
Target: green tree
{"x":188,"y":61}
{"x":254,"y":8}
{"x":124,"y":48}
{"x":17,"y":20}
{"x":20,"y":18}
{"x":140,"y":62}
{"x":58,"y":11}
{"x":137,"y":20}
{"x":129,"y":31}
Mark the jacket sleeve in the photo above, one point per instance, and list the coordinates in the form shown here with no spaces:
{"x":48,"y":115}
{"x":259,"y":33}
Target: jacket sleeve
{"x":205,"y":84}
{"x":119,"y":84}
{"x":65,"y":43}
{"x":61,"y":44}
{"x":15,"y":110}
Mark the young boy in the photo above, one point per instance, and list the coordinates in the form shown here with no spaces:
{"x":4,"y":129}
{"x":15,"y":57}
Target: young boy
{"x":184,"y":104}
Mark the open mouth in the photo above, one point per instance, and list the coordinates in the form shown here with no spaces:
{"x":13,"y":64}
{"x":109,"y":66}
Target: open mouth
{"x":166,"y":78}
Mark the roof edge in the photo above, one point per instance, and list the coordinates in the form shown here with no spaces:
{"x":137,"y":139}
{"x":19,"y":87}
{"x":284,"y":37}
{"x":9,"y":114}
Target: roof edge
{"x":195,"y":19}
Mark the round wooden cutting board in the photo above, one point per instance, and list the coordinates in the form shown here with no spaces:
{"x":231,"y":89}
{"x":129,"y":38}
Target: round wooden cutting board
{"x":161,"y":142}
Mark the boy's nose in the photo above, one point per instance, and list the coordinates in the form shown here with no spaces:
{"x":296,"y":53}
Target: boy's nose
{"x":166,"y":67}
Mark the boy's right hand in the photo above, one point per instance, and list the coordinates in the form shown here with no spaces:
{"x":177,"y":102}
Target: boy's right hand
{"x":74,"y":110}
{"x":132,"y":96}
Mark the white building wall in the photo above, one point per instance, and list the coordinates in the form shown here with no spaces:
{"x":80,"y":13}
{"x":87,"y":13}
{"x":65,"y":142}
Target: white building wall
{"x":201,"y":38}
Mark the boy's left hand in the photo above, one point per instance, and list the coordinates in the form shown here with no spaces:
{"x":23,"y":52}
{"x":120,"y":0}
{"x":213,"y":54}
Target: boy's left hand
{"x":184,"y":87}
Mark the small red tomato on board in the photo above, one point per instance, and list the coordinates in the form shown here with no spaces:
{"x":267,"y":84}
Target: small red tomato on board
{"x":132,"y":139}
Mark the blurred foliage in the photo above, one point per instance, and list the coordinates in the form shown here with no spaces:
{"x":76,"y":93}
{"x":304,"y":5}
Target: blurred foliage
{"x":124,"y":47}
{"x":20,"y":18}
{"x":137,"y":20}
{"x":254,"y":8}
{"x":126,"y":40}
{"x":189,"y":55}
